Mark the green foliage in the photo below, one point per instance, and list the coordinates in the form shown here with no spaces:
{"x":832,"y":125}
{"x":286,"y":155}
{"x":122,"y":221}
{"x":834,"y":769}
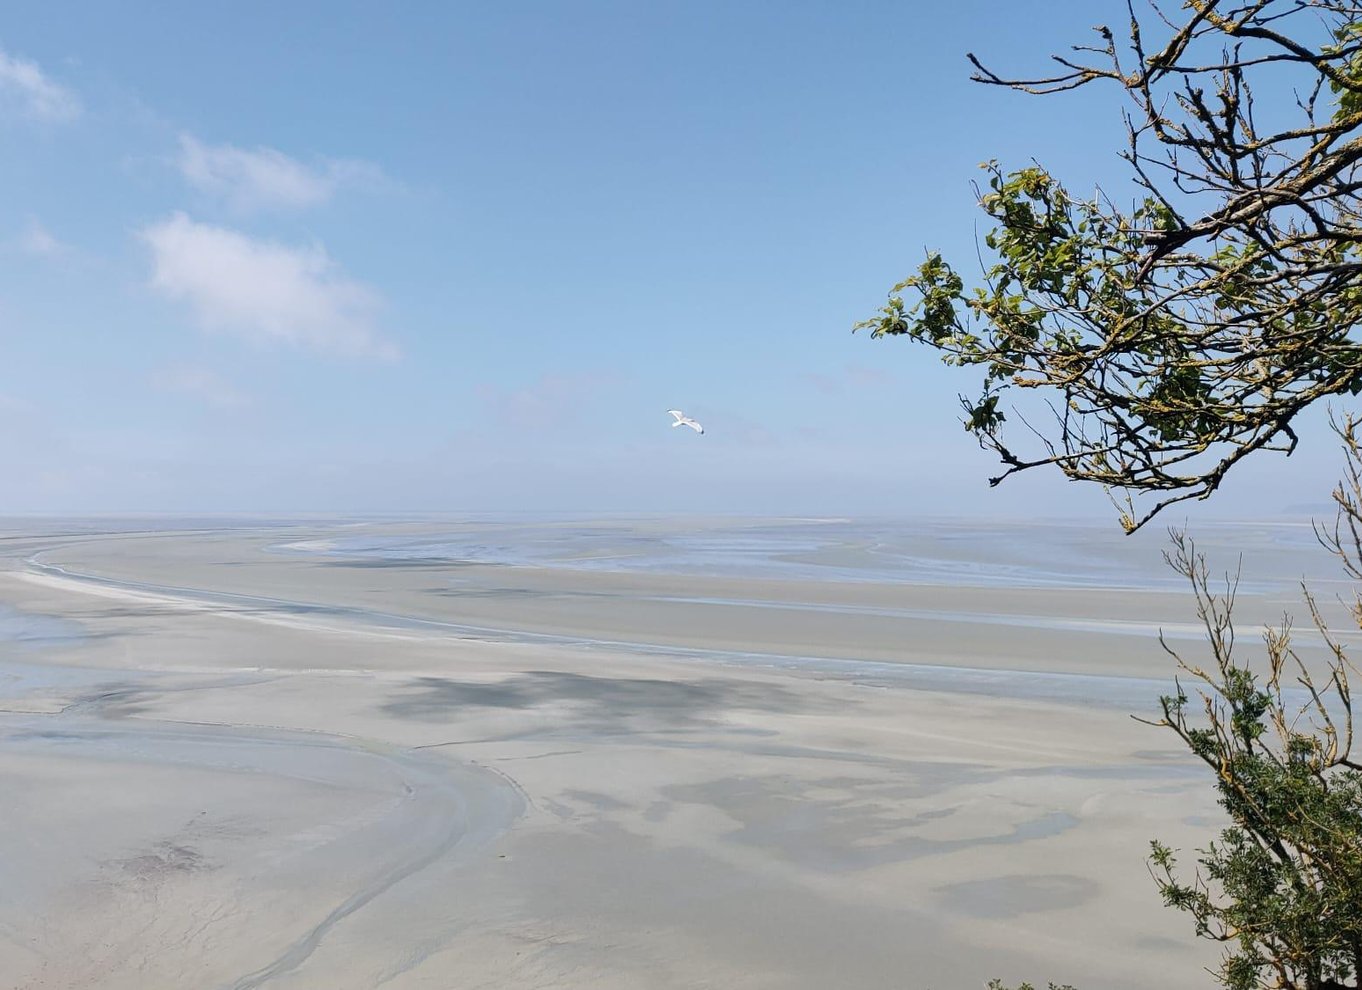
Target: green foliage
{"x":1174,"y":336}
{"x":1171,"y":338}
{"x":1281,"y":886}
{"x":1346,"y":86}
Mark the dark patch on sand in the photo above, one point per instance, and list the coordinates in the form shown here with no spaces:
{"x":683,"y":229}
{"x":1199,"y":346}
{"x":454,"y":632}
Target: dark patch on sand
{"x":607,"y":705}
{"x":1012,"y":896}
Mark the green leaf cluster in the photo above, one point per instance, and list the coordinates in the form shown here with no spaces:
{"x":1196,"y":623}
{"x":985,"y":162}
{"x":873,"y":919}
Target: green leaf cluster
{"x":1175,"y":335}
{"x":1281,"y":885}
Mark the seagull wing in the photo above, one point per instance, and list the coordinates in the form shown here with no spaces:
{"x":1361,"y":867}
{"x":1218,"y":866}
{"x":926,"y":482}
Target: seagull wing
{"x":680,"y":416}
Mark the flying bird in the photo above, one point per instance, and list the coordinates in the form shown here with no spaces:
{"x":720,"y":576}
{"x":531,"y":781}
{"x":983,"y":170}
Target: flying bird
{"x":683,"y":420}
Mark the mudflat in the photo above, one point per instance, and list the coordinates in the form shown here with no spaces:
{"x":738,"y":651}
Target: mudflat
{"x":253,"y":756}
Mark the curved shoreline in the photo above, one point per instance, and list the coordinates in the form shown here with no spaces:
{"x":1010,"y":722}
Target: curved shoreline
{"x":1109,"y":690}
{"x":444,"y":811}
{"x":237,"y":805}
{"x":442,"y":808}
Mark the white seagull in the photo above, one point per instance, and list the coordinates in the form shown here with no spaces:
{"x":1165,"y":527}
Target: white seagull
{"x":683,"y":420}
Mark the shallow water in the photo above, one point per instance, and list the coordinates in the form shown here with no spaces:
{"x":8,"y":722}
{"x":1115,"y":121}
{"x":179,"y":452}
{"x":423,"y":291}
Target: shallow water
{"x":272,"y":814}
{"x":1123,"y":693}
{"x":1271,"y":555}
{"x":30,"y":631}
{"x":27,"y":634}
{"x":375,"y":814}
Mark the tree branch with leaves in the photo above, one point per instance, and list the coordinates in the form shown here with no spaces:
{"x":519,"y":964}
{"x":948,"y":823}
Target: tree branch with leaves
{"x":1175,"y":337}
{"x":1282,"y":885}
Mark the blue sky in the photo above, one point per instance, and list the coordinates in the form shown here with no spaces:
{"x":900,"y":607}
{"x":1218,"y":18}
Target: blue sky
{"x":334,"y":257}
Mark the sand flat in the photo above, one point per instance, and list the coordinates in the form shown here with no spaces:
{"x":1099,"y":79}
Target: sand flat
{"x":305,"y":790}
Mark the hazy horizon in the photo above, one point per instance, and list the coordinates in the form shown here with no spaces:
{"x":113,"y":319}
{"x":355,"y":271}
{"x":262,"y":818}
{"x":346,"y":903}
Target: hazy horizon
{"x":322,"y":258}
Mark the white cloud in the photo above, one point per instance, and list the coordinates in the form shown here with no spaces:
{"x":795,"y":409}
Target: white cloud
{"x":254,"y":178}
{"x":38,"y":240}
{"x":201,"y":384}
{"x":262,"y":290}
{"x":23,"y":85}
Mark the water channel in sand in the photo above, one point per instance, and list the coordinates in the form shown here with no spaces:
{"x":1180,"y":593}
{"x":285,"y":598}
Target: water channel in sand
{"x":401,"y":811}
{"x":230,"y":765}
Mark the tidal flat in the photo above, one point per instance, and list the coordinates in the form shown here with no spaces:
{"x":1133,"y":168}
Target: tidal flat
{"x":598,"y":754}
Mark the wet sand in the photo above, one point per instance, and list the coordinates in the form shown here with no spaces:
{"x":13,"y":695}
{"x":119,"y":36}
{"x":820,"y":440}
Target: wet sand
{"x":231,"y":766}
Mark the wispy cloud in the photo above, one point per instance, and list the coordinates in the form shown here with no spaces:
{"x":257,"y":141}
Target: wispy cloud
{"x":262,"y":290}
{"x":23,"y":86}
{"x":860,"y":375}
{"x":552,"y":400}
{"x":37,"y":240}
{"x":13,"y":408}
{"x":201,"y":384}
{"x":852,"y":376}
{"x":256,"y":178}
{"x":729,"y":426}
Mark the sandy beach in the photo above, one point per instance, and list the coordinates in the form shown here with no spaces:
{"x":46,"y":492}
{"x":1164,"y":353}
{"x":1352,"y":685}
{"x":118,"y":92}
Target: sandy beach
{"x":247,"y":757}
